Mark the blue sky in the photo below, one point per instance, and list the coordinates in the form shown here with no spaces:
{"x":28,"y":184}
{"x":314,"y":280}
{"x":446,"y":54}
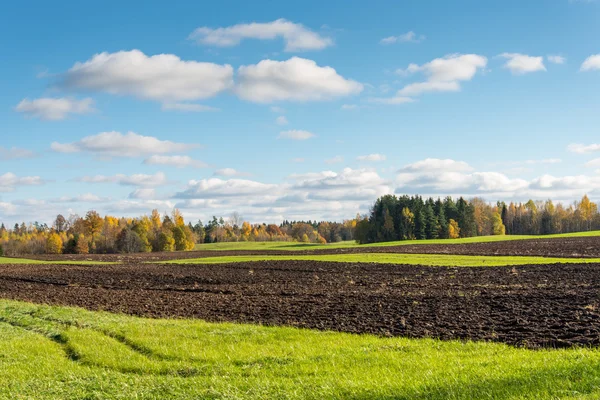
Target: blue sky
{"x":294,"y":110}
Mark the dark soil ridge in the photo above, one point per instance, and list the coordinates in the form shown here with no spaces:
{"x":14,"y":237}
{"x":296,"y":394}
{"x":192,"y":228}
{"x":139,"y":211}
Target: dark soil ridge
{"x":579,"y":247}
{"x":533,"y":306}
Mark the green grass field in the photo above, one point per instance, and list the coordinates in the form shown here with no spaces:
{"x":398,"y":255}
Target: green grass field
{"x":291,"y":246}
{"x":12,"y":260}
{"x":411,"y":259}
{"x":68,"y":353}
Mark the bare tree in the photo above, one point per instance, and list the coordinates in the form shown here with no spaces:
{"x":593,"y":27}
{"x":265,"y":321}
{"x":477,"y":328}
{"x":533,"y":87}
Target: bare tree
{"x":235,"y":219}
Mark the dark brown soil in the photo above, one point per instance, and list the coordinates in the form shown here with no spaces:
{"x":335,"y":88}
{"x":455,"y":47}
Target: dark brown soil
{"x":584,"y":247}
{"x":532,"y":306}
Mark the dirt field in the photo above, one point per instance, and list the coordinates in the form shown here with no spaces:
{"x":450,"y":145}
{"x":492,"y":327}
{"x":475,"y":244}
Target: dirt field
{"x":563,"y":247}
{"x":533,"y":306}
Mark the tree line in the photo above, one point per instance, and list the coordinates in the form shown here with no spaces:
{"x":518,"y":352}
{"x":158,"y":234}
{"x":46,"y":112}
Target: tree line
{"x":94,"y":233}
{"x":414,"y":218}
{"x":390,"y":218}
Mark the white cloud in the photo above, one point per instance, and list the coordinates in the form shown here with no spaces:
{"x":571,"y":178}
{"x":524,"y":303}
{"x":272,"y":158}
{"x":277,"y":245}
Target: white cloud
{"x":372,"y":157}
{"x":443,"y":75}
{"x":215,"y":188}
{"x":408,"y":37}
{"x":54,"y":109}
{"x":582,"y":148}
{"x":520,"y":64}
{"x":415,"y":89}
{"x":556,"y":59}
{"x":437,"y":165}
{"x":296,"y":134}
{"x":298,"y":160}
{"x":595,"y":163}
{"x":296,"y":36}
{"x":82,"y":198}
{"x":591,"y":63}
{"x":230,"y":172}
{"x":187,"y":107}
{"x":277,"y":110}
{"x":334,"y":160}
{"x":349,"y":107}
{"x":296,"y":79}
{"x":9,"y":181}
{"x":15,"y":153}
{"x":281,"y":120}
{"x":7,"y":208}
{"x":391,"y":100}
{"x":143,"y":194}
{"x":143,"y":180}
{"x":175,"y":161}
{"x":449,"y":177}
{"x":163,"y":77}
{"x":115,"y":144}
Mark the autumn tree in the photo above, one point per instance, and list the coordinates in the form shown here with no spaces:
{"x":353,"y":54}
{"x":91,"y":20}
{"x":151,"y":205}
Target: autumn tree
{"x":54,"y":244}
{"x":93,"y":224}
{"x":60,"y":223}
{"x":498,"y":226}
{"x":453,"y":229}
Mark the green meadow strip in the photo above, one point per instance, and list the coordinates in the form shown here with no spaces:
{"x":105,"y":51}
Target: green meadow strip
{"x":411,"y":259}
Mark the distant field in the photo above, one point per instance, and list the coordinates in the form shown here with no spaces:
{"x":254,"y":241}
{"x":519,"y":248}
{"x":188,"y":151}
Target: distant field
{"x":349,"y":244}
{"x":391,"y":258}
{"x":11,"y":260}
{"x":55,"y":352}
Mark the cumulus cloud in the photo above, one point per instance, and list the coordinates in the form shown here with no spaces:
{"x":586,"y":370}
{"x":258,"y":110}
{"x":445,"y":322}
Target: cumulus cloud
{"x":520,"y":64}
{"x":216,"y":187}
{"x":295,"y":134}
{"x":556,"y":59}
{"x":144,"y":180}
{"x":296,"y":36}
{"x":15,"y":153}
{"x":297,"y":79}
{"x":408,"y":37}
{"x":372,"y":157}
{"x":230,"y":172}
{"x":591,"y":63}
{"x":115,"y":144}
{"x":54,"y":109}
{"x":582,"y":148}
{"x":443,"y":75}
{"x":449,"y":177}
{"x":10,"y":181}
{"x":175,"y":161}
{"x":162,"y":77}
{"x":187,"y":107}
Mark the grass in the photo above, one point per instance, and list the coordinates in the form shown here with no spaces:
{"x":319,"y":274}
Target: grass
{"x":291,"y":246}
{"x":391,"y":258}
{"x":11,"y":260}
{"x":68,"y":353}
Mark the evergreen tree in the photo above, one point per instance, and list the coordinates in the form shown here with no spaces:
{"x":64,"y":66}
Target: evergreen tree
{"x":431,"y":223}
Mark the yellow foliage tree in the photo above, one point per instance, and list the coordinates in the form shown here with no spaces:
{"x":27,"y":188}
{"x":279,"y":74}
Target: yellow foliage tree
{"x":453,"y":229}
{"x":499,"y":228}
{"x":54,"y":244}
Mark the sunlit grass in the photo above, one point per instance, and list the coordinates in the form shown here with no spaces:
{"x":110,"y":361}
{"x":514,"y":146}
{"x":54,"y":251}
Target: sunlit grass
{"x":14,"y":260}
{"x":349,"y":244}
{"x":53,"y":352}
{"x":391,"y":258}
